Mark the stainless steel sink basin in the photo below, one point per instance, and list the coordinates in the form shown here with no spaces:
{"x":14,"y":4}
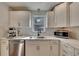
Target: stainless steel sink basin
{"x":36,"y":37}
{"x":41,"y":37}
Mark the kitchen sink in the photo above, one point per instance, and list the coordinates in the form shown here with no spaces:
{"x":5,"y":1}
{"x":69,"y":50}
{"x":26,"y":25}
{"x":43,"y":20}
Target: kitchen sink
{"x":37,"y":37}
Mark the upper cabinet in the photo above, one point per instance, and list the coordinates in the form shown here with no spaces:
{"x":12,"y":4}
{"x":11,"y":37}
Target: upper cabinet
{"x":19,"y":18}
{"x":62,"y":15}
{"x":4,"y":14}
{"x":74,"y":14}
{"x":51,"y":19}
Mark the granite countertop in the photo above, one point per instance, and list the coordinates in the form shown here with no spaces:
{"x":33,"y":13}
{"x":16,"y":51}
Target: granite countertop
{"x":34,"y":38}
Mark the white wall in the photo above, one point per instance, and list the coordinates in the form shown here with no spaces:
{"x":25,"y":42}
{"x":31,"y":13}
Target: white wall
{"x":3,"y":18}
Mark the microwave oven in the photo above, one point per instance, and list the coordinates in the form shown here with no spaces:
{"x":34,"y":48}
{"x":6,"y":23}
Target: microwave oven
{"x":62,"y":34}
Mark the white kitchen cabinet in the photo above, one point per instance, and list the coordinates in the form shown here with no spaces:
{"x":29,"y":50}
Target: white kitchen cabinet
{"x":4,"y":18}
{"x":67,"y":50}
{"x":62,"y":15}
{"x":51,"y":19}
{"x":4,"y":45}
{"x":19,"y":18}
{"x":74,"y":14}
{"x":54,"y":48}
{"x":49,"y":48}
{"x":32,"y":48}
{"x":42,"y":48}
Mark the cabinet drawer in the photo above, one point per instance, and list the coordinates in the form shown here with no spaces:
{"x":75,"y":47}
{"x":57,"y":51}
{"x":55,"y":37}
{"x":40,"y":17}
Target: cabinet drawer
{"x":33,"y":42}
{"x":4,"y":42}
{"x":44,"y":42}
{"x":54,"y":42}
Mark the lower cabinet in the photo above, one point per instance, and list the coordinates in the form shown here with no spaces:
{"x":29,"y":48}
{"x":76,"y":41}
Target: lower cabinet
{"x":32,"y":50}
{"x":54,"y":48}
{"x":42,"y":48}
{"x":4,"y":48}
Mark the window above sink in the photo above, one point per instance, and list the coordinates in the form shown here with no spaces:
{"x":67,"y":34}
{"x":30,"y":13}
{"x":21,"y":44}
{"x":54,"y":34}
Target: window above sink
{"x":39,"y":22}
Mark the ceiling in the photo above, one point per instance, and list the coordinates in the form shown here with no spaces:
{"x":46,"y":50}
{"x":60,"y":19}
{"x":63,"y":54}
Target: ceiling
{"x":34,"y":5}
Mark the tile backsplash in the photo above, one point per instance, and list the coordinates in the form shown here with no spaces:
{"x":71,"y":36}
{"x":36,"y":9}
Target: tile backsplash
{"x":48,"y":32}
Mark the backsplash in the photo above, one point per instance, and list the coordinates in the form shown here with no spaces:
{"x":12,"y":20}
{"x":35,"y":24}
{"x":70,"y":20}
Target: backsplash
{"x":48,"y":32}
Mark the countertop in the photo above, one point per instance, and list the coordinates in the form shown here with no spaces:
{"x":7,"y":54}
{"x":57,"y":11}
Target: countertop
{"x":73,"y":42}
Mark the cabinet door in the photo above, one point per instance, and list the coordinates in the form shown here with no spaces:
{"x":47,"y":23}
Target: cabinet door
{"x":32,"y":48}
{"x":44,"y":48}
{"x":14,"y":18}
{"x":54,"y":47}
{"x":4,"y":19}
{"x":53,"y":50}
{"x":74,"y":14}
{"x":19,"y":18}
{"x":4,"y":48}
{"x":60,"y":15}
{"x":51,"y":19}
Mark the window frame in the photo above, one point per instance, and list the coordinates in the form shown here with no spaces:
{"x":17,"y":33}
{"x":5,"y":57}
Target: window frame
{"x":45,"y":22}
